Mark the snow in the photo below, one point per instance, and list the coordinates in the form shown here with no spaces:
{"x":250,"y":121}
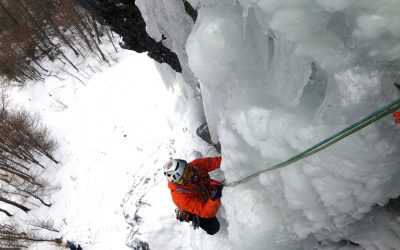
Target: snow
{"x":103,"y":130}
{"x":276,"y":77}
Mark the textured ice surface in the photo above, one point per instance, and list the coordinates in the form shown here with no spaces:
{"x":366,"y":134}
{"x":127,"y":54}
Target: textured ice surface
{"x":276,"y":78}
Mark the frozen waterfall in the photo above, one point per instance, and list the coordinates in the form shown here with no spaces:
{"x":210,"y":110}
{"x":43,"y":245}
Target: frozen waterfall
{"x":276,"y":77}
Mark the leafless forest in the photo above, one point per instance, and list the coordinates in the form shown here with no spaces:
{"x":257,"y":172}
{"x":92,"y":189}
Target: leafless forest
{"x":32,"y":32}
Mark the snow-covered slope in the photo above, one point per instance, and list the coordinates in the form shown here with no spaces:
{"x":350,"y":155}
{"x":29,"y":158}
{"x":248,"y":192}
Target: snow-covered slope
{"x":107,"y":125}
{"x":276,"y":78}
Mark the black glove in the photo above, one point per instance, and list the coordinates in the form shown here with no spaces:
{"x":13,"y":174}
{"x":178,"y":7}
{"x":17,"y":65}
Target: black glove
{"x":183,"y":215}
{"x":216,"y":192}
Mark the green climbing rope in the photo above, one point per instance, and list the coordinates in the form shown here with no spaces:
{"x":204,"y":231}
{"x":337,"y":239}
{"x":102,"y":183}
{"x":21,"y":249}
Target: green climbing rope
{"x":391,"y":107}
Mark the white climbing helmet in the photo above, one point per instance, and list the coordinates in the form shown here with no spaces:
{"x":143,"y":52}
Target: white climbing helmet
{"x":174,"y":169}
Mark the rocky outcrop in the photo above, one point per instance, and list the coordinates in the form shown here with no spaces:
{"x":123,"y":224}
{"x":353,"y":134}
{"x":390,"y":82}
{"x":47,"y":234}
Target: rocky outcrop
{"x":125,"y":19}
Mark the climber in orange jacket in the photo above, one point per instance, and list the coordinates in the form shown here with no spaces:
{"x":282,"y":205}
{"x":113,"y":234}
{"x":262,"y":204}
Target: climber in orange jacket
{"x":196,"y":195}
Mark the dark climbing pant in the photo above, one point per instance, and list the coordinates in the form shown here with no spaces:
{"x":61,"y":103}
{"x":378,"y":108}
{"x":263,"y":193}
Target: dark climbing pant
{"x":210,"y":225}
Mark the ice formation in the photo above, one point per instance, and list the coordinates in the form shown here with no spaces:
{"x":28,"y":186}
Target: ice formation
{"x":278,"y":76}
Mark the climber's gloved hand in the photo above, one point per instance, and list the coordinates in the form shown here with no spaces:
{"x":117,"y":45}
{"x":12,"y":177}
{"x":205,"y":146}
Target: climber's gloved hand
{"x":216,"y":192}
{"x":183,"y":215}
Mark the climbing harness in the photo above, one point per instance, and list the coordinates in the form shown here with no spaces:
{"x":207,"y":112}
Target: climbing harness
{"x":380,"y":113}
{"x":198,"y":183}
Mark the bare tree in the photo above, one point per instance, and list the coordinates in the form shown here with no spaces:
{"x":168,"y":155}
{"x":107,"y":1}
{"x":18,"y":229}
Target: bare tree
{"x":47,"y":224}
{"x":23,"y":142}
{"x":32,"y":30}
{"x":12,"y":237}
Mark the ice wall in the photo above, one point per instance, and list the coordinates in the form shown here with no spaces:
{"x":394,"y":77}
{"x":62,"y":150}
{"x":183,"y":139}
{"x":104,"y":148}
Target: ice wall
{"x":167,"y":21}
{"x":279,"y":76}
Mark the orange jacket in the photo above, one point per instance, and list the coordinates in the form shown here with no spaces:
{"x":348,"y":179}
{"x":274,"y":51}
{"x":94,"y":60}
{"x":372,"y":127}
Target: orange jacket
{"x":194,"y":198}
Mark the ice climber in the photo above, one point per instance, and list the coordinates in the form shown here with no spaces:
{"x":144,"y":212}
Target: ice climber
{"x":196,"y":195}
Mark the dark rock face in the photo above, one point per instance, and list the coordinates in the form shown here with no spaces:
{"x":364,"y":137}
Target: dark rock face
{"x":190,"y":10}
{"x":204,"y":134}
{"x":125,"y":19}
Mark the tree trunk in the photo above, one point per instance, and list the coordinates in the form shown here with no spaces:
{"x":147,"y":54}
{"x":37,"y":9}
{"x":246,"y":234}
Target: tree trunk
{"x":6,"y":212}
{"x":8,"y":13}
{"x":96,"y":29}
{"x":15,"y":204}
